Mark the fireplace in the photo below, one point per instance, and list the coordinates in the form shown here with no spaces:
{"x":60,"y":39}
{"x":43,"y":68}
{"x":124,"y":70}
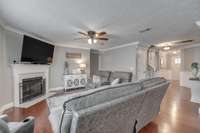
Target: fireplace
{"x":31,"y":88}
{"x":30,"y":84}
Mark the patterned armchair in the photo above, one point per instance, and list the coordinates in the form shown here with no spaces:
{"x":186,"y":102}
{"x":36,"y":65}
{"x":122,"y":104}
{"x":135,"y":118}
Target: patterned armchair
{"x":25,"y":126}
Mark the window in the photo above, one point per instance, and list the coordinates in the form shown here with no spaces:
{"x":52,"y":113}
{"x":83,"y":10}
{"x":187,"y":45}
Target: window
{"x":177,"y":60}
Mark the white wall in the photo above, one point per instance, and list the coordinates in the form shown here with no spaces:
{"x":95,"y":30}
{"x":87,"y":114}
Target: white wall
{"x":11,"y":50}
{"x":175,"y":68}
{"x":141,"y":62}
{"x":59,"y":59}
{"x":3,"y":86}
{"x":119,"y":59}
{"x":188,"y":56}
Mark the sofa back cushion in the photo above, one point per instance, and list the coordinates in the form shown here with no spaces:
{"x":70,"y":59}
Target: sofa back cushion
{"x":123,"y":76}
{"x":100,"y":95}
{"x":151,"y":104}
{"x":104,"y":75}
{"x":116,"y":116}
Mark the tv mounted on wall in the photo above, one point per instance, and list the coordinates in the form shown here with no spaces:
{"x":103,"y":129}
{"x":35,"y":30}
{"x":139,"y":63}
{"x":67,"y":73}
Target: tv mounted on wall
{"x":36,"y":52}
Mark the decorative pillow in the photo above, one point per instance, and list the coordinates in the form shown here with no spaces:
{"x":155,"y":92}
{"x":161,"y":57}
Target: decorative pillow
{"x":3,"y":127}
{"x":115,"y":81}
{"x":96,"y":79}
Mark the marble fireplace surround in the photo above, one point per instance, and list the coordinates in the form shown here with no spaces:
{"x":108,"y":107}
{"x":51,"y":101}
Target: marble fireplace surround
{"x":22,"y":71}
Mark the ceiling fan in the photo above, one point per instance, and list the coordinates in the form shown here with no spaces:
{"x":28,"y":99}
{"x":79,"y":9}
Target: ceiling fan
{"x":93,"y":37}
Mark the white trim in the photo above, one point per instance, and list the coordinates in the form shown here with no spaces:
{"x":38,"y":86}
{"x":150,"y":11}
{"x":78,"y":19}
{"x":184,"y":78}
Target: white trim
{"x":120,"y":46}
{"x":73,"y":46}
{"x":56,"y":88}
{"x":5,"y":107}
{"x":199,"y":111}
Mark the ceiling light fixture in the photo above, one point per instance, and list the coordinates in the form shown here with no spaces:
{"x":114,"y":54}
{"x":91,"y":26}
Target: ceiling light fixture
{"x":92,"y":41}
{"x":166,"y":48}
{"x":95,"y":40}
{"x":174,"y":52}
{"x":89,"y":41}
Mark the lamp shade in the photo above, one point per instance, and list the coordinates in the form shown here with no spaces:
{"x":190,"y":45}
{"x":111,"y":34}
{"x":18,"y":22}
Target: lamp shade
{"x":82,"y":65}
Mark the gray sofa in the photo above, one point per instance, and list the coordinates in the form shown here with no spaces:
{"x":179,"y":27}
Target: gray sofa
{"x":107,"y":76}
{"x":25,"y":126}
{"x":125,"y":107}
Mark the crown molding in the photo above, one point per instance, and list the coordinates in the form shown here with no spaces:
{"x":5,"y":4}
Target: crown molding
{"x":191,"y":46}
{"x":72,"y":46}
{"x":120,"y":46}
{"x":28,"y":34}
{"x":53,"y":43}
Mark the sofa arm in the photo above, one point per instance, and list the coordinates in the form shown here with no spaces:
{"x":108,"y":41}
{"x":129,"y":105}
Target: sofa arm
{"x":4,"y":117}
{"x":26,"y":126}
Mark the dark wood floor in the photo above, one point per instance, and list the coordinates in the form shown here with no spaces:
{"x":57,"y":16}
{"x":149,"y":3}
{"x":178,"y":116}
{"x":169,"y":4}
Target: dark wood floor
{"x":177,"y":115}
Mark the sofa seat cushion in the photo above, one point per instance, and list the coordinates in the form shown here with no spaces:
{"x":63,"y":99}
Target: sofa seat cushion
{"x":148,"y":83}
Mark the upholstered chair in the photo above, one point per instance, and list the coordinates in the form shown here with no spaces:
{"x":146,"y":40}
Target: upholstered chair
{"x":25,"y":126}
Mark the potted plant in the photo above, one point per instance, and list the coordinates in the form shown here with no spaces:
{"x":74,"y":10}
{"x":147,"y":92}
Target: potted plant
{"x":195,"y":69}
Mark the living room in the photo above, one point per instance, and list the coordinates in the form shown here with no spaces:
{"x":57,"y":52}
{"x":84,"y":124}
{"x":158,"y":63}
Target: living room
{"x":63,"y":63}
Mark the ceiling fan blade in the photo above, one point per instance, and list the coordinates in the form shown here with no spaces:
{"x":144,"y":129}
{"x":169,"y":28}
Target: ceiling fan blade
{"x":82,"y":33}
{"x":184,"y":41}
{"x":80,"y":38}
{"x":105,"y":39}
{"x":101,"y":33}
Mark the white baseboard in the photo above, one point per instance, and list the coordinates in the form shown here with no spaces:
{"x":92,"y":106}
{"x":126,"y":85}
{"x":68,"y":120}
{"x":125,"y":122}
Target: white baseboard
{"x":57,"y":88}
{"x":199,"y":111}
{"x":5,"y":107}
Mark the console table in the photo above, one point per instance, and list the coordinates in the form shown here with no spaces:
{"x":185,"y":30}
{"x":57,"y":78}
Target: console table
{"x":75,"y":81}
{"x":193,"y":84}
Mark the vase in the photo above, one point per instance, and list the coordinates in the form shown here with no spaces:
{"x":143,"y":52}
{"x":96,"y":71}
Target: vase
{"x":195,"y":72}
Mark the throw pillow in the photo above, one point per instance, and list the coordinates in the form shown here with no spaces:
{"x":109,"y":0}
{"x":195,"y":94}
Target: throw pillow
{"x":96,"y":79}
{"x":115,"y":81}
{"x":3,"y":127}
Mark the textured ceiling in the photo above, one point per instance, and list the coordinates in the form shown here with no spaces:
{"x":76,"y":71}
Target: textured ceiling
{"x":59,"y":20}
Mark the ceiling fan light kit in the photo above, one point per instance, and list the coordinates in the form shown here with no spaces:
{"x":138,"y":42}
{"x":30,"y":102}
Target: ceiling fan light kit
{"x":93,"y":36}
{"x":167,"y":48}
{"x":92,"y":41}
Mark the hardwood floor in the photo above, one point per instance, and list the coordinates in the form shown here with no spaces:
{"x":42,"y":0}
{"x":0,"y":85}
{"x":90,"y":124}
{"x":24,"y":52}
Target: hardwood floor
{"x":177,"y":115}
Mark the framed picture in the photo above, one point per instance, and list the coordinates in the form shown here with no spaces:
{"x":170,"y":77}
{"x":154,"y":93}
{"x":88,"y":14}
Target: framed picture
{"x":73,"y":55}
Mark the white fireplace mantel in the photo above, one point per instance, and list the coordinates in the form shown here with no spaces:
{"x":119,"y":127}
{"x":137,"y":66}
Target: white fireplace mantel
{"x":25,"y":70}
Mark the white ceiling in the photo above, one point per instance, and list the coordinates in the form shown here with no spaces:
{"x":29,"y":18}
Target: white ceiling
{"x":59,"y":20}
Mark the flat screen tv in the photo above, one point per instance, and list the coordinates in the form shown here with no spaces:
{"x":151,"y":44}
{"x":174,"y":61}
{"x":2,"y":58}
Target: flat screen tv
{"x":36,"y":52}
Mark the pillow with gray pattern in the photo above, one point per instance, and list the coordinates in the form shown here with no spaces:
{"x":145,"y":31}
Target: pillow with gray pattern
{"x":3,"y":127}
